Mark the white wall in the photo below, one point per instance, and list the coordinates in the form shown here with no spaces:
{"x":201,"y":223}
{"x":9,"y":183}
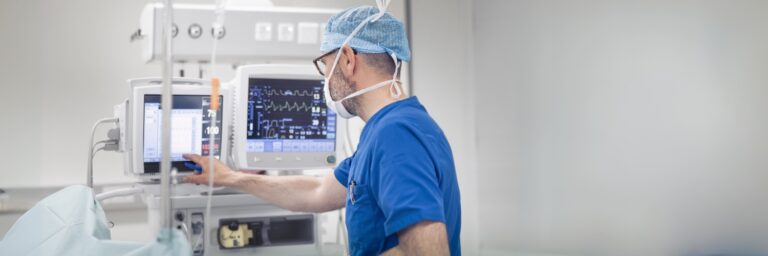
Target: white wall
{"x":442,"y":72}
{"x":64,"y":66}
{"x":621,"y":127}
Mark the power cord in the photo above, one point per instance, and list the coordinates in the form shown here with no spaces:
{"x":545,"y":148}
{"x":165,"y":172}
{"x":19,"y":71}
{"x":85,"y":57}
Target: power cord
{"x":89,"y":178}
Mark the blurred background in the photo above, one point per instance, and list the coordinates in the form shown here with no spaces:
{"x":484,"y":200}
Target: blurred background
{"x":587,"y":127}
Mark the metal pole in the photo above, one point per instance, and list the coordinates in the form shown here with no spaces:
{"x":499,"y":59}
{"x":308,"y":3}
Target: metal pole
{"x":408,"y":29}
{"x":167,"y":105}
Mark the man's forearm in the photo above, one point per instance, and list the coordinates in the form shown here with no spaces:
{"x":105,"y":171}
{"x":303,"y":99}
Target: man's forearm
{"x":295,"y":193}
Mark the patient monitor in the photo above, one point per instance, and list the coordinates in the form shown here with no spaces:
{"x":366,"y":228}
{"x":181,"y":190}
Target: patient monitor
{"x":281,"y":121}
{"x":191,"y":125}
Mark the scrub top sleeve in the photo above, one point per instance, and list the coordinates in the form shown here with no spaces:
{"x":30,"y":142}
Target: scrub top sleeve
{"x":342,"y":171}
{"x":406,"y":185}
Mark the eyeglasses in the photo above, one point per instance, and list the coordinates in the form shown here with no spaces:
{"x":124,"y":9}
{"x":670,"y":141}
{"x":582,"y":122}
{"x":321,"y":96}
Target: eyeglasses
{"x":320,"y":64}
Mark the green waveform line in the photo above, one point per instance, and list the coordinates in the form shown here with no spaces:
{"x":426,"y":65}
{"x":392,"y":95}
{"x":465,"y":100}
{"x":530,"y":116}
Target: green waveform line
{"x":289,"y":107}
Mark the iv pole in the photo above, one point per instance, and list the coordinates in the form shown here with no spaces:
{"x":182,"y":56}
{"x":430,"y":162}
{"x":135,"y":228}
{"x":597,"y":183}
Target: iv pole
{"x":167,"y":105}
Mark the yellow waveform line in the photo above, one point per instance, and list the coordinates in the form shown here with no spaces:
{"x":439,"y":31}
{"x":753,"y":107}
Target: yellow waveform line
{"x":292,"y":92}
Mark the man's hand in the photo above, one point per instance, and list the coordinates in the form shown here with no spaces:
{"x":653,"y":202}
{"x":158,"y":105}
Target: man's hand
{"x":423,"y":238}
{"x":224,"y":176}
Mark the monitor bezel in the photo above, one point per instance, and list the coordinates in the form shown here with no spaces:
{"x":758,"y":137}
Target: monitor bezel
{"x":276,"y":160}
{"x":194,"y":87}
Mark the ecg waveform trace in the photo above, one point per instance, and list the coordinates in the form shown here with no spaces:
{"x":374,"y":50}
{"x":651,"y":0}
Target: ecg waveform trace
{"x":287,"y":106}
{"x":288,"y":109}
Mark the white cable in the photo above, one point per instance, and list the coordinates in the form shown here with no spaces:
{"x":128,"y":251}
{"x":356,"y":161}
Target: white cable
{"x":218,"y":25}
{"x":106,"y":143}
{"x":211,"y":171}
{"x":118,"y":193}
{"x":343,"y":227}
{"x":348,"y":139}
{"x":89,"y":178}
{"x":186,"y":231}
{"x":96,"y":151}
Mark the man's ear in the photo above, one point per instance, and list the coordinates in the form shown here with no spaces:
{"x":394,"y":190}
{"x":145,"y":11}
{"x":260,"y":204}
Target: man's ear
{"x":349,"y":62}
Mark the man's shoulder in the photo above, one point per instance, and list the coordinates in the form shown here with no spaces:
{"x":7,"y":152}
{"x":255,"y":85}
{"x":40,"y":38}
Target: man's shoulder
{"x":405,"y":132}
{"x":399,"y":125}
{"x":406,"y":117}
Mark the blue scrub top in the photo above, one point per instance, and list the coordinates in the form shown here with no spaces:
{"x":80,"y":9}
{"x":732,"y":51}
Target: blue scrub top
{"x":401,"y":174}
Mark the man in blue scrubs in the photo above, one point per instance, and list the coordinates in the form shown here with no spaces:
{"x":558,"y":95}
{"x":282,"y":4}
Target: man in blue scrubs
{"x":399,"y":188}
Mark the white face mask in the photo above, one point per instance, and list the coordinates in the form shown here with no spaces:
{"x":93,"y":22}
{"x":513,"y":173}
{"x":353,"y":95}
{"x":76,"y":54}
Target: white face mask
{"x":394,"y":90}
{"x":338,"y":106}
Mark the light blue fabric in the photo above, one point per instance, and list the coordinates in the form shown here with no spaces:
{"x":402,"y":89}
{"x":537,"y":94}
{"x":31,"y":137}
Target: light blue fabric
{"x":72,"y":222}
{"x":385,"y":35}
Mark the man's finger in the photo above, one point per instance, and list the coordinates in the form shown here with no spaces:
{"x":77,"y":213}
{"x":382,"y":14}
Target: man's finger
{"x":197,"y":179}
{"x":193,"y":157}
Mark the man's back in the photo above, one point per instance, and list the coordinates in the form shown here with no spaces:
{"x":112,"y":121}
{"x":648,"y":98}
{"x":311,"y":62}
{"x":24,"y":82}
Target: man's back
{"x":402,"y":174}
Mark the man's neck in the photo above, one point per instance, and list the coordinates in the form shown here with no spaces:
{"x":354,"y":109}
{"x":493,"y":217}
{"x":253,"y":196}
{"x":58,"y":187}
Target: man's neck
{"x":370,"y":103}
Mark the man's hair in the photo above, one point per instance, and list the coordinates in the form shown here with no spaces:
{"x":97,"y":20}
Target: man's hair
{"x":381,"y":62}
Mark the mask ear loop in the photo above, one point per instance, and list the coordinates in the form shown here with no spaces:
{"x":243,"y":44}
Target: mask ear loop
{"x":395,"y":82}
{"x":351,"y":35}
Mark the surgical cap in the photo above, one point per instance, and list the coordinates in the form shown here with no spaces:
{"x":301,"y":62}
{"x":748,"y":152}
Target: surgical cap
{"x":385,"y":35}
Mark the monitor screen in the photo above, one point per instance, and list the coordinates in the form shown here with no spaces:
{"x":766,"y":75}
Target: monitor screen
{"x":288,"y":115}
{"x":190,"y":127}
